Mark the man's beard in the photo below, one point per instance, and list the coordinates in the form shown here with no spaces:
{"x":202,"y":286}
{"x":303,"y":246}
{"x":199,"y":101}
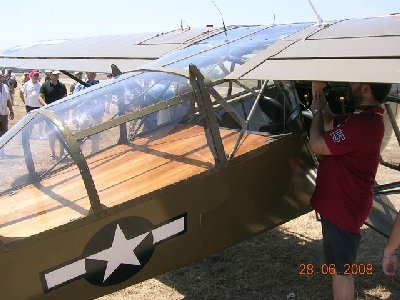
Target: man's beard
{"x":355,"y":98}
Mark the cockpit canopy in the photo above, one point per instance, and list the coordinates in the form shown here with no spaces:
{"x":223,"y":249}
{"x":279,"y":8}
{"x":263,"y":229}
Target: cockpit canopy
{"x":133,"y":115}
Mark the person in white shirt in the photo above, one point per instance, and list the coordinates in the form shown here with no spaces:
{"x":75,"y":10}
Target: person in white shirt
{"x":6,"y":110}
{"x":11,"y":81}
{"x":30,"y":92}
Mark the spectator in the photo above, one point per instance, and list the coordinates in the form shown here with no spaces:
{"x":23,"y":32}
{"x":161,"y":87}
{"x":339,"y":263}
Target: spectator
{"x":30,"y":92}
{"x":47,"y":75}
{"x":97,"y":111}
{"x":50,"y":92}
{"x":91,"y":78}
{"x":6,"y":110}
{"x":25,"y":78}
{"x":11,"y":81}
{"x":77,"y":86}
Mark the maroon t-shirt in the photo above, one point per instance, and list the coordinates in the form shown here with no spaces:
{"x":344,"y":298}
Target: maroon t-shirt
{"x":345,"y":180}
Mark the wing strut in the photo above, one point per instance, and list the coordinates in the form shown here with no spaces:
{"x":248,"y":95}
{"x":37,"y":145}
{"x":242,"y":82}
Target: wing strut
{"x":74,"y":78}
{"x":210,"y":122}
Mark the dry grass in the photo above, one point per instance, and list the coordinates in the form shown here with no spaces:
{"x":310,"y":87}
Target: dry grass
{"x":267,"y":266}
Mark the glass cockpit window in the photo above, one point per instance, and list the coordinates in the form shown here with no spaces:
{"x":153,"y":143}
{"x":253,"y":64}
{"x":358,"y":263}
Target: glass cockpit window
{"x":131,"y":92}
{"x":218,"y":55}
{"x":44,"y":162}
{"x":41,"y":186}
{"x":134,"y":95}
{"x":275,"y":112}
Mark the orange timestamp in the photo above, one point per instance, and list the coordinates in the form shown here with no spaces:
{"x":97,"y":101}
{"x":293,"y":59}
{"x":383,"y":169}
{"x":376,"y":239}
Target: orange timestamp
{"x":330,"y":269}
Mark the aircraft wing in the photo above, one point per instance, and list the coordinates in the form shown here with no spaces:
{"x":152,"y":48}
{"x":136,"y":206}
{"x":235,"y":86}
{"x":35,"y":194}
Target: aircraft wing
{"x":129,"y":51}
{"x":362,"y":50}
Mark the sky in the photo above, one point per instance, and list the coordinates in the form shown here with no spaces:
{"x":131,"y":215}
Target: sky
{"x":31,"y":21}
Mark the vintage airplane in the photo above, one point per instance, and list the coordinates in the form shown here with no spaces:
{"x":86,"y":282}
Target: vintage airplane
{"x":202,"y":147}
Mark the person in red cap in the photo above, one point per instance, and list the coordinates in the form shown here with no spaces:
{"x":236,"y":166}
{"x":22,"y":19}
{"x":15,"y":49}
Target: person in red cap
{"x":30,"y":91}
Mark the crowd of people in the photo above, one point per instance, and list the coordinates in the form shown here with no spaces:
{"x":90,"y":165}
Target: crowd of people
{"x":36,"y":93}
{"x":33,"y":93}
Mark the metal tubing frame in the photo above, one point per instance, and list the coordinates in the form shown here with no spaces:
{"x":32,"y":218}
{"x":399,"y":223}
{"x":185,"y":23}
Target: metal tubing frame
{"x":392,"y":119}
{"x":393,"y":122}
{"x":238,"y":96}
{"x":249,"y":117}
{"x":253,"y":109}
{"x":75,"y":152}
{"x":211,"y":127}
{"x":132,"y":116}
{"x":233,"y":64}
{"x":387,"y":186}
{"x":220,"y":100}
{"x":225,"y":104}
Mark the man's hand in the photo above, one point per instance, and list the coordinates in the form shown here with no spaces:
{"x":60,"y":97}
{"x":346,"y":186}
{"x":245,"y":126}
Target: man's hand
{"x":11,"y":116}
{"x":41,"y":100}
{"x":318,"y":86}
{"x":319,"y":102}
{"x":389,"y":264}
{"x":317,"y":129}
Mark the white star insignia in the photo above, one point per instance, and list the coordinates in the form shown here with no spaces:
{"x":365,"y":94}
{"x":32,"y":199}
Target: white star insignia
{"x":120,"y":252}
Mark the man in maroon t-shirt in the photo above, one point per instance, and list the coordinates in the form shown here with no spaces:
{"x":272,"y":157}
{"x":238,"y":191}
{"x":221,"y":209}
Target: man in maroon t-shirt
{"x":344,"y":186}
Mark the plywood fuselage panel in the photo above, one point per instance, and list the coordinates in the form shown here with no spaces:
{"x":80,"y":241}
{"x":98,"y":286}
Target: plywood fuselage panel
{"x":121,"y":173}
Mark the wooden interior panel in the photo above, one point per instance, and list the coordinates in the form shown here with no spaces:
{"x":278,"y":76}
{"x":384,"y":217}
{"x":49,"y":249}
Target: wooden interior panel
{"x":121,"y":173}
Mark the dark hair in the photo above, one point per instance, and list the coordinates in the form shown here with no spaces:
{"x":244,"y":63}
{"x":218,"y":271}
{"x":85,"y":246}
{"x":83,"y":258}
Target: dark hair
{"x":380,"y":90}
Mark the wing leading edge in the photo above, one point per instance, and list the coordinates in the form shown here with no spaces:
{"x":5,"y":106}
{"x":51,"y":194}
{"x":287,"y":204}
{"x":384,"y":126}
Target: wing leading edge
{"x":129,"y":51}
{"x":362,"y":50}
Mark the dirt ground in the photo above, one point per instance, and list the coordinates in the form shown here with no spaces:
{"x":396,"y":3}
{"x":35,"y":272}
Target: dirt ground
{"x":267,"y":266}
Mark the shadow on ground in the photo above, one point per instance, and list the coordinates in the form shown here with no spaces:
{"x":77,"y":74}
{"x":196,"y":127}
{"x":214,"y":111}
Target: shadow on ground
{"x":267,"y":267}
